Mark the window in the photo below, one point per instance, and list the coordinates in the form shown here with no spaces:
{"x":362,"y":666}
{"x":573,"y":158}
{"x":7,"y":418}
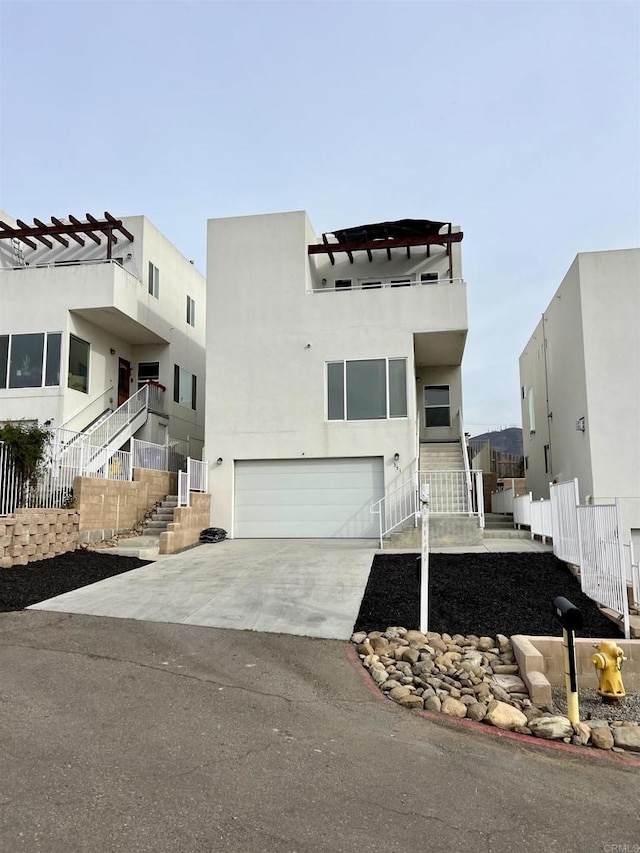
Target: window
{"x":367,"y":389}
{"x":428,"y":277}
{"x":78,"y":365}
{"x":343,"y":284}
{"x":148,"y":371}
{"x":191,"y":311}
{"x":154,"y":281}
{"x":30,"y":361}
{"x":437,"y":410}
{"x":400,"y":282}
{"x":547,"y":449}
{"x":184,"y":387}
{"x":532,"y":411}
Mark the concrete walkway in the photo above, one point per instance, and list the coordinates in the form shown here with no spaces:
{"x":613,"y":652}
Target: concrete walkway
{"x":307,"y":587}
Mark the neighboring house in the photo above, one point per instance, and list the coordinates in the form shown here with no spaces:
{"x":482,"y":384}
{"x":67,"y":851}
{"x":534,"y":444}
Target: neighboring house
{"x":328,"y":360}
{"x":91,"y":310}
{"x":580,"y":385}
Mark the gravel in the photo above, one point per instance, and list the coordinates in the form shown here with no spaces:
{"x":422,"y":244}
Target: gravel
{"x":593,"y":708}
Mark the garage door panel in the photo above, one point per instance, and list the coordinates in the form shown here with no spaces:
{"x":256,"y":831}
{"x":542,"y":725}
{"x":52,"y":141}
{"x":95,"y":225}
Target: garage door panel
{"x":307,"y":498}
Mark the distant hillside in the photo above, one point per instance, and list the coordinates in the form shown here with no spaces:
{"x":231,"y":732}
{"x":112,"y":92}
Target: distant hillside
{"x":507,"y":440}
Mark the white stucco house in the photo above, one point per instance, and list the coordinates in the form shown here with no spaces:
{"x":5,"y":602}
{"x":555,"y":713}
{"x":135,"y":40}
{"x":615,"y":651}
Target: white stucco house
{"x":333,"y":370}
{"x":580,"y":386}
{"x":92,"y":309}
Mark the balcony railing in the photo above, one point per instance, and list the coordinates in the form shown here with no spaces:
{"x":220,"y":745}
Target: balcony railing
{"x":383,"y":284}
{"x":72,"y":263}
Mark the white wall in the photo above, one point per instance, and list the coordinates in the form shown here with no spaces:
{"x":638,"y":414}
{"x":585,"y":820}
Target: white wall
{"x":268,"y":342}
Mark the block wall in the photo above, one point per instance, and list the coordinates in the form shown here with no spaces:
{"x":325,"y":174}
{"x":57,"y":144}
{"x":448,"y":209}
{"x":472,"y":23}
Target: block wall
{"x":188,"y":523}
{"x":37,"y":534}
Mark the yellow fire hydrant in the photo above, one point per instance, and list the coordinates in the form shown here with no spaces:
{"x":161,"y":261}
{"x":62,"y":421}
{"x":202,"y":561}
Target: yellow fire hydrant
{"x":608,"y":663}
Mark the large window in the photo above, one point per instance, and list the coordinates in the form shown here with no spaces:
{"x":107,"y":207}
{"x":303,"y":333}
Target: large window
{"x":367,"y":389}
{"x":30,"y":361}
{"x":437,"y":407}
{"x":78,"y":365}
{"x":184,"y":387}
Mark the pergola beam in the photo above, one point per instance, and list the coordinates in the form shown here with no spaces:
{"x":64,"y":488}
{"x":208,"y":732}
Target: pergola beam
{"x":57,"y":237}
{"x":117,"y":224}
{"x":7,"y":233}
{"x":71,"y":234}
{"x":325,"y":247}
{"x":38,"y":233}
{"x":82,"y":227}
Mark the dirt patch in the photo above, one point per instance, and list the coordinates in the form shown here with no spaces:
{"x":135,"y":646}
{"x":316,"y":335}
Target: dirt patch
{"x":25,"y":585}
{"x":482,"y":594}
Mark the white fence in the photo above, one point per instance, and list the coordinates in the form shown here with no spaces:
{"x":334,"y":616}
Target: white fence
{"x":565,"y":497}
{"x":194,"y":479}
{"x":10,"y":482}
{"x":502,"y":502}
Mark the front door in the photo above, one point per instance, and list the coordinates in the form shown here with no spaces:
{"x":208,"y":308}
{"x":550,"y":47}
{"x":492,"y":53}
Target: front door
{"x":124,"y":380}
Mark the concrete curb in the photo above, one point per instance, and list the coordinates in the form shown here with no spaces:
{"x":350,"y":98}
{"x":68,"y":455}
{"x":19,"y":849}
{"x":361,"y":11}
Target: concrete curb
{"x":493,"y":732}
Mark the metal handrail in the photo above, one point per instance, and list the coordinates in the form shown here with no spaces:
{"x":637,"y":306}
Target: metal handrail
{"x":465,"y":457}
{"x":90,"y":402}
{"x":72,"y":263}
{"x":408,"y":501}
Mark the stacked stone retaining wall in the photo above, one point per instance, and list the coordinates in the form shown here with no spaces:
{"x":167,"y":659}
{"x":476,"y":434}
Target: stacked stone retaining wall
{"x":37,"y":534}
{"x":188,"y":523}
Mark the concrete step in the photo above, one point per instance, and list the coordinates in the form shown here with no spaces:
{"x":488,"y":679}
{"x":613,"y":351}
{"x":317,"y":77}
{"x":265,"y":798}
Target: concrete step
{"x":143,"y":547}
{"x":493,"y":533}
{"x":156,"y":524}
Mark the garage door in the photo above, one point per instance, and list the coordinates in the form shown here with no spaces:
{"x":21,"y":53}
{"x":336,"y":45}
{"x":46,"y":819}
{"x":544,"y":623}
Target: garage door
{"x":307,"y":498}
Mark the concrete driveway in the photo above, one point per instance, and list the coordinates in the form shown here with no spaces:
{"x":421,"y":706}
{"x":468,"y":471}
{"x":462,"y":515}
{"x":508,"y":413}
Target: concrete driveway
{"x":309,"y":587}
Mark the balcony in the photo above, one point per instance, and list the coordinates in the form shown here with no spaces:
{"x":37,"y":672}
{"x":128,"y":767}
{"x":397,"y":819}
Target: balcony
{"x":101,"y":291}
{"x":381,"y":283}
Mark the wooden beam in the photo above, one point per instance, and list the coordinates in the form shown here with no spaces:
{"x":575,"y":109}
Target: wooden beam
{"x":388,"y":253}
{"x":37,"y":235}
{"x":81,"y":226}
{"x":356,"y":246}
{"x":328,"y":251}
{"x":117,"y":223}
{"x":57,"y":237}
{"x":8,"y":234}
{"x":106,"y":229}
{"x":73,"y":236}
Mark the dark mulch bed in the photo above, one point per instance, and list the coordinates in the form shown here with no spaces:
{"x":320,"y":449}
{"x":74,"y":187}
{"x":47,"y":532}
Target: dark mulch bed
{"x":21,"y":586}
{"x":483,"y":594}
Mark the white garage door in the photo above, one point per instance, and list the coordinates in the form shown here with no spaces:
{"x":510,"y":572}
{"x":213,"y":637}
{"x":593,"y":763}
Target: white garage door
{"x":307,"y":498}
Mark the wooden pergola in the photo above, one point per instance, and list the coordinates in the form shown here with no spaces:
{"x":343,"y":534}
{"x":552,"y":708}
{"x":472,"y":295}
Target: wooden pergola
{"x":402,"y":234}
{"x":62,"y":232}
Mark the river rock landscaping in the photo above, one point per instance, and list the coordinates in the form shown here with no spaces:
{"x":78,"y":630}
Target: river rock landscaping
{"x":477,"y":678}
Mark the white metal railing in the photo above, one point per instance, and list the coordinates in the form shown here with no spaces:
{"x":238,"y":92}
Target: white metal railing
{"x":522,"y":510}
{"x":384,"y":283}
{"x":535,"y":515}
{"x":183,"y":488}
{"x":398,"y":506}
{"x":10,"y":482}
{"x":565,"y":497}
{"x":479,"y":496}
{"x":465,"y":459}
{"x":632,"y":566}
{"x":91,"y":402}
{"x":198,"y":475}
{"x":602,"y":559}
{"x":74,"y":263}
{"x":448,"y":492}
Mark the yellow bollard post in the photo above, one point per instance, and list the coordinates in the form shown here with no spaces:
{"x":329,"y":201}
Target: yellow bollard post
{"x":570,"y":676}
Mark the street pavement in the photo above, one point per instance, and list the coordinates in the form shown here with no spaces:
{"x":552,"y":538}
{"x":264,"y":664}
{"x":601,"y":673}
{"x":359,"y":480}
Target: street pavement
{"x":125,"y":735}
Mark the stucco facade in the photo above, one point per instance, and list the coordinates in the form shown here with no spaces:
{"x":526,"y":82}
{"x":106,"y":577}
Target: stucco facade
{"x":580,"y":384}
{"x":75,"y":292}
{"x":277,"y":317}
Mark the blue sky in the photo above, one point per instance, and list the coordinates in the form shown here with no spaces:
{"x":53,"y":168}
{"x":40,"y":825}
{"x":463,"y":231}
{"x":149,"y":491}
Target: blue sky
{"x":518,"y":121}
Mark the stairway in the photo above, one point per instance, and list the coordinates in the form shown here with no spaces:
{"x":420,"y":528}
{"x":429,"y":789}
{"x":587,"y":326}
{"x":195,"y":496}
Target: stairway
{"x":440,"y":463}
{"x":501,"y":527}
{"x":146,"y":546}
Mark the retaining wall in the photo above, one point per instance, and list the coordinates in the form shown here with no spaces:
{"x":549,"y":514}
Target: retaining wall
{"x":188,"y":522}
{"x":37,"y":534}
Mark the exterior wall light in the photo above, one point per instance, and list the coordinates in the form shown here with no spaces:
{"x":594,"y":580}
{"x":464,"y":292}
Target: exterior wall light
{"x":219,"y":460}
{"x":396,"y":457}
{"x":112,"y":351}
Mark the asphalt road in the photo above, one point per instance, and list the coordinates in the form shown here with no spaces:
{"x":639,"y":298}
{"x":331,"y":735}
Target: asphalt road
{"x":119,"y":735}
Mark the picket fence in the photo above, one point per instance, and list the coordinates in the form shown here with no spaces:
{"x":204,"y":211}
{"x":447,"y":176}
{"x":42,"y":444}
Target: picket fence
{"x":588,"y":536}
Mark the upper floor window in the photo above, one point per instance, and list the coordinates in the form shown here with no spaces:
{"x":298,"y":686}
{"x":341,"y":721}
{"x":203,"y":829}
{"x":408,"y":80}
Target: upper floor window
{"x":343,"y":284}
{"x":191,"y":311}
{"x":437,"y":406}
{"x":428,"y":277}
{"x":367,"y":389}
{"x":78,"y":365}
{"x":30,"y":361}
{"x":184,"y":387}
{"x":531,"y":407}
{"x":148,"y":371}
{"x":154,"y":281}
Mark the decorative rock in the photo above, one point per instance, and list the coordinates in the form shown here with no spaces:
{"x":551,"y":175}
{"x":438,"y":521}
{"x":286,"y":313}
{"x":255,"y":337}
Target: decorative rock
{"x":533,"y":713}
{"x":505,"y":716}
{"x":477,"y":711}
{"x":627,"y":737}
{"x":412,"y":702}
{"x":503,"y":642}
{"x":522,"y":730}
{"x":379,"y":675}
{"x":369,"y":660}
{"x":433,"y":703}
{"x":410,"y":655}
{"x":597,"y":724}
{"x":452,"y":708}
{"x":398,"y":693}
{"x":358,"y":637}
{"x":510,"y":683}
{"x":438,"y":644}
{"x":365,"y":648}
{"x":485,"y":643}
{"x":582,"y":734}
{"x":379,"y":644}
{"x":389,"y":684}
{"x":468,"y":700}
{"x":415,"y":637}
{"x":551,"y":727}
{"x":505,"y":668}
